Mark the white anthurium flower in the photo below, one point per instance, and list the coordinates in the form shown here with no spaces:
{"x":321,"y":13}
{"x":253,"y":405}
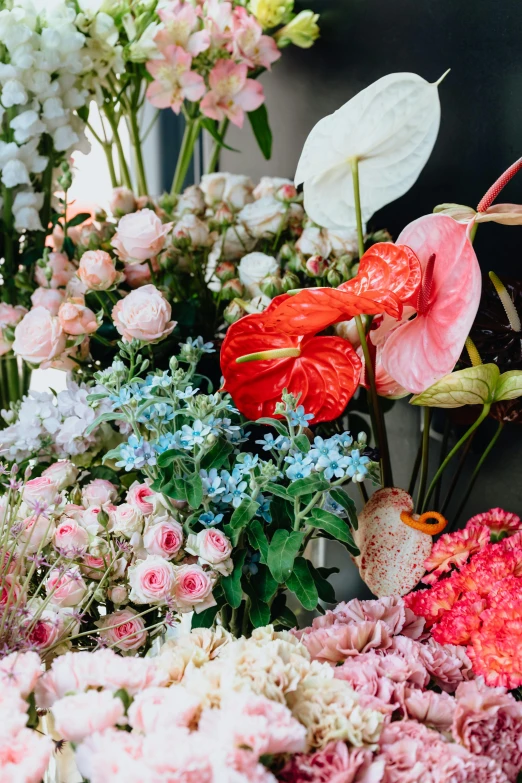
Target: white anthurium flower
{"x":390,"y":128}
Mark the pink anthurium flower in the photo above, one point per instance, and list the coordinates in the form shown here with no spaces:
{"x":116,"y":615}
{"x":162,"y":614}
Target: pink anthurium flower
{"x":182,"y":28}
{"x":420,"y":351}
{"x":231,"y":93}
{"x":249,"y":44}
{"x":173,"y":80}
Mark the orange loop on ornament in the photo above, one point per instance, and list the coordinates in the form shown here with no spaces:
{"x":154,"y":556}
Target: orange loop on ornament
{"x":421,"y":523}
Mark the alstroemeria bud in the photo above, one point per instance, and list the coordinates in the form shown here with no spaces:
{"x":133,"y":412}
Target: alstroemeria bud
{"x":316,"y":266}
{"x":302,"y":31}
{"x":334,"y":278}
{"x":232,"y":288}
{"x":271,"y":286}
{"x":225,"y":270}
{"x":289,"y":281}
{"x":233,"y":312}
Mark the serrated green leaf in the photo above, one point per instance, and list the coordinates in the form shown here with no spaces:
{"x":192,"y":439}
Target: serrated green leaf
{"x":333,"y":525}
{"x":275,"y":423}
{"x":257,"y":539}
{"x":232,"y":584}
{"x":194,"y":490}
{"x":217,"y":456}
{"x":472,"y":386}
{"x":260,"y":126}
{"x":243,"y":513}
{"x":324,"y":588}
{"x":205,"y":619}
{"x":264,"y":584}
{"x":308,"y":485}
{"x":284,"y":548}
{"x":302,"y":443}
{"x":302,"y":584}
{"x":509,"y":386}
{"x":344,"y":500}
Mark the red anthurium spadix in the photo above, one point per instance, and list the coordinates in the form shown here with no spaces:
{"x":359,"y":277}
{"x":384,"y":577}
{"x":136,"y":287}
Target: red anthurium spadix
{"x":420,"y":351}
{"x":389,"y":276}
{"x":258,"y":364}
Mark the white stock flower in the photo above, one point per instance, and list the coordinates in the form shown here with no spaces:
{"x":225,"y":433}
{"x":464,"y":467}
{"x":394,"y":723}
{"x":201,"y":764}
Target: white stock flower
{"x":26,"y":208}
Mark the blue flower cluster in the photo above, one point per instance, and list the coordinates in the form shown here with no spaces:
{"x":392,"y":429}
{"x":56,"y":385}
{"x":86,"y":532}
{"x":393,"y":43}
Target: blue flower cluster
{"x":229,"y":488}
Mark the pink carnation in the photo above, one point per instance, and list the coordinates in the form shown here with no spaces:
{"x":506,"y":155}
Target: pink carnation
{"x":498,"y":521}
{"x":454,"y":549}
{"x":158,"y":709}
{"x":429,"y":707}
{"x":24,"y":757}
{"x":457,"y":625}
{"x":78,"y":716}
{"x":433,"y":603}
{"x":334,"y":764}
{"x":447,"y":664}
{"x":20,"y":670}
{"x":337,"y":642}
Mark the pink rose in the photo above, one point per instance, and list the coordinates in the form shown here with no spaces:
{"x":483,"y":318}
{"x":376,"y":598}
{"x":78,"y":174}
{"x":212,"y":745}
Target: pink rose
{"x":42,"y":491}
{"x":65,"y":589}
{"x":89,"y":519}
{"x":95,"y":567}
{"x":78,"y":716}
{"x":97,"y":271}
{"x":118,"y":594}
{"x":137,"y":275}
{"x":9,"y":316}
{"x":144,"y":315}
{"x":152,"y":580}
{"x":127,"y":520}
{"x":35,"y":530}
{"x":99,"y":492}
{"x":10,"y":591}
{"x":50,"y":298}
{"x":212,"y":547}
{"x":122,"y":202}
{"x":129,"y":632}
{"x":137,"y":496}
{"x":75,"y":318}
{"x":59,"y":271}
{"x":46,"y":631}
{"x":69,"y":538}
{"x":39,"y":337}
{"x":63,"y":473}
{"x":164,"y":538}
{"x":140,"y":236}
{"x":193,"y":588}
{"x":159,"y":709}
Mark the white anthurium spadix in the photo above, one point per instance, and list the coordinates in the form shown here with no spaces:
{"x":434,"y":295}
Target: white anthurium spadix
{"x":390,"y":128}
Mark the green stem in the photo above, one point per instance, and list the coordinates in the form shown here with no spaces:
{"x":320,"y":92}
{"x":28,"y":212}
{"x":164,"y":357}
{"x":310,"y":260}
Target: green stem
{"x":13,"y":379}
{"x":10,"y":246}
{"x":216,"y":150}
{"x":185,"y":155}
{"x":442,"y":455}
{"x":457,"y":474}
{"x":477,"y":470}
{"x":362,"y":490}
{"x":152,"y":273}
{"x":124,"y":169}
{"x":415,"y":470}
{"x":425,"y":456}
{"x":107,"y":148}
{"x":136,"y":143}
{"x":454,"y":450}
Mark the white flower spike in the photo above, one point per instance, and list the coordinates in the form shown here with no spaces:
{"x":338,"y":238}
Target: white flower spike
{"x":390,"y":128}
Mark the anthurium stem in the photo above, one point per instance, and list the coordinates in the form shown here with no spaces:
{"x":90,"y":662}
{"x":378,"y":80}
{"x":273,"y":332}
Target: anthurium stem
{"x":425,"y":455}
{"x":454,"y":450}
{"x":477,"y":471}
{"x":379,"y":426}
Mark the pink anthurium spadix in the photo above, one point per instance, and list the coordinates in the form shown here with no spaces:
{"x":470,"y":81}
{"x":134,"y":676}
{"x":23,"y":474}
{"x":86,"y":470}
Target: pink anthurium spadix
{"x":420,"y":351}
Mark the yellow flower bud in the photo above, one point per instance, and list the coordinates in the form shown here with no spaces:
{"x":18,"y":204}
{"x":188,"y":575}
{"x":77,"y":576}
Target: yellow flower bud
{"x":270,"y":13}
{"x":302,"y":31}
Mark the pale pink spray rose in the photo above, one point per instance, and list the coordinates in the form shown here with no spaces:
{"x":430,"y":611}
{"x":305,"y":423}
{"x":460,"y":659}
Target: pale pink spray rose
{"x":50,"y":298}
{"x":97,"y":271}
{"x":152,"y":580}
{"x":65,"y":589}
{"x":42,"y":491}
{"x":99,"y":492}
{"x":193,"y":588}
{"x":75,"y":318}
{"x":80,"y":715}
{"x":231,"y":93}
{"x":129,"y":633}
{"x":122,"y":201}
{"x":64,"y":473}
{"x":174,"y":81}
{"x":140,"y":495}
{"x":140,"y":236}
{"x":163,"y":538}
{"x":137,"y":275}
{"x":118,"y":594}
{"x":39,"y":338}
{"x":61,"y":268}
{"x":212,"y":547}
{"x":126,"y":520}
{"x":35,"y":530}
{"x":143,"y":315}
{"x":69,"y":538}
{"x":158,"y":709}
{"x":9,"y":316}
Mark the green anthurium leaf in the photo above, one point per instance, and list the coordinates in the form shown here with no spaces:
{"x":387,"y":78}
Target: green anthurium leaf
{"x":302,"y":584}
{"x":472,"y":386}
{"x":282,"y":552}
{"x":509,"y":385}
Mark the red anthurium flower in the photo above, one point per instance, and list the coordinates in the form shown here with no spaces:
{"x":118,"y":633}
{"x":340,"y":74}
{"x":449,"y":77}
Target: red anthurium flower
{"x":258,"y":364}
{"x":419,"y":352}
{"x":389,"y":276}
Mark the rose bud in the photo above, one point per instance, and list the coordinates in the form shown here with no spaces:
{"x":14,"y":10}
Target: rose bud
{"x":233,"y":312}
{"x":122,"y":202}
{"x":334,"y":278}
{"x":287,"y":193}
{"x":225,"y":270}
{"x":289,"y":282}
{"x":224,"y":216}
{"x":316,"y":266}
{"x":296,"y":263}
{"x":271,"y":286}
{"x":231,"y":289}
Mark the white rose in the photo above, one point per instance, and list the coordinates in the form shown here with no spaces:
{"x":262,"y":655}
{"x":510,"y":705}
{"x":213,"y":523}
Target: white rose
{"x":343,"y":242}
{"x":265,"y":217}
{"x":127,"y":519}
{"x":234,"y":189}
{"x":191,"y":200}
{"x":268,"y":186}
{"x":63,"y":473}
{"x":253,"y":268}
{"x":191,"y":227}
{"x":314,"y":242}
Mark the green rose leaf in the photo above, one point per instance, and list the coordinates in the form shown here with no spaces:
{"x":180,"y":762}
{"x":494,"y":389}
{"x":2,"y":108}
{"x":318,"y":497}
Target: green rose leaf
{"x":509,"y":385}
{"x":302,"y":584}
{"x":472,"y":386}
{"x":284,"y":548}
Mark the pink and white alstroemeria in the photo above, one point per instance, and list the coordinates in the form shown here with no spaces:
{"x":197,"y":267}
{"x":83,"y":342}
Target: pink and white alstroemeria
{"x":231,"y":93}
{"x":219,"y":19}
{"x":182,"y":28}
{"x":249,"y":44}
{"x":173,"y":80}
{"x":420,"y":351}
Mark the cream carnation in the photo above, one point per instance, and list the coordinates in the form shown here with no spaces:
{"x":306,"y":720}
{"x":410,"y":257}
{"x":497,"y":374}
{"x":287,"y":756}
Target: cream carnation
{"x":78,"y":716}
